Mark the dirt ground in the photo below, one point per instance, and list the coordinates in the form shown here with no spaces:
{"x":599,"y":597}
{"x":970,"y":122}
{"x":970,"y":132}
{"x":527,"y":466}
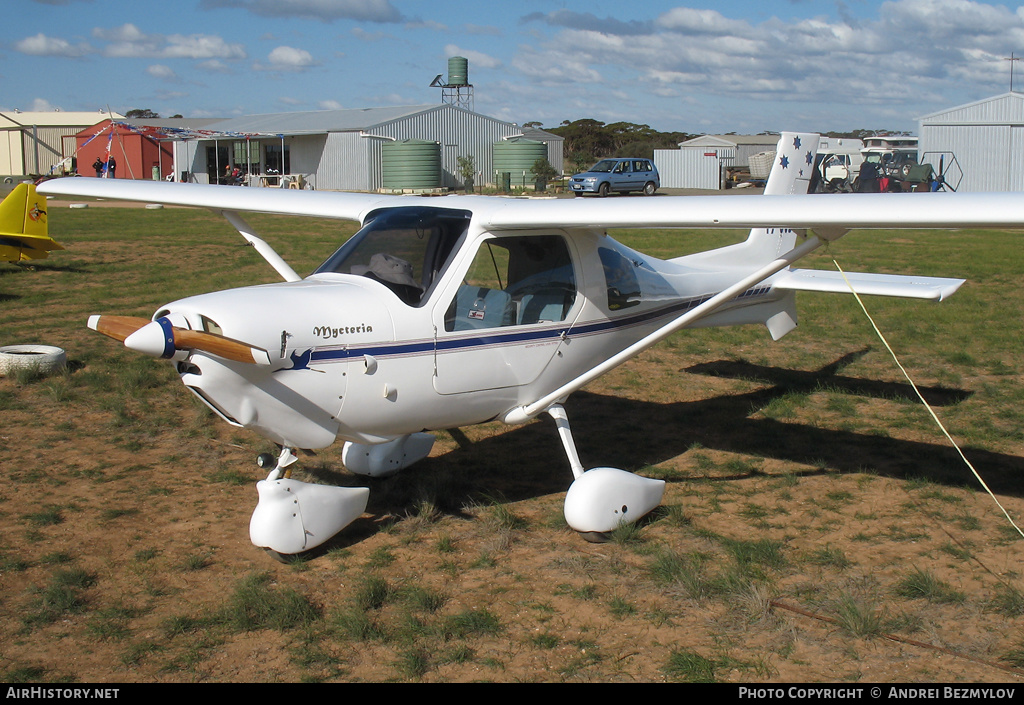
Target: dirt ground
{"x":786,"y":549}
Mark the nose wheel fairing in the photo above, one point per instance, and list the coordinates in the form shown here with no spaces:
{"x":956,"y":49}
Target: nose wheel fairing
{"x":294,"y":516}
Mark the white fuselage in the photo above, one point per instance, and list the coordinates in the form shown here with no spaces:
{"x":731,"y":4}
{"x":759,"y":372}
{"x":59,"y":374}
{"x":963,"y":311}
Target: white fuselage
{"x":351,"y":361}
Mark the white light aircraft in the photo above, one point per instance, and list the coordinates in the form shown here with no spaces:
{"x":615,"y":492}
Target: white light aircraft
{"x":446,"y":312}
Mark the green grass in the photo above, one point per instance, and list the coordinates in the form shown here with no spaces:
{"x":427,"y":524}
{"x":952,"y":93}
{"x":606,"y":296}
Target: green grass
{"x":127,"y":502}
{"x":64,"y":593}
{"x":255,"y":604}
{"x":863,"y":616}
{"x":923,"y":584}
{"x":688,"y":666}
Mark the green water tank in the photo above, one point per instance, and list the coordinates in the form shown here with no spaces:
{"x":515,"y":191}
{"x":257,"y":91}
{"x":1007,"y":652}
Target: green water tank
{"x":411,"y":164}
{"x":458,"y":71}
{"x":516,"y":158}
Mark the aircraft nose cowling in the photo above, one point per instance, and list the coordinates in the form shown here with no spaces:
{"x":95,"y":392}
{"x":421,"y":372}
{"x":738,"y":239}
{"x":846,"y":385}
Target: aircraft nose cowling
{"x":303,"y":330}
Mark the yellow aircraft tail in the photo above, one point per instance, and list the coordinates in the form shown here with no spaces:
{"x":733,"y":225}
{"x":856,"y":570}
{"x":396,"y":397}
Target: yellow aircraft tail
{"x":23,"y":231}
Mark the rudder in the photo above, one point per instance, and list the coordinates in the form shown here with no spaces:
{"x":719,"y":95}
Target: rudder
{"x":23,"y":227}
{"x":790,"y":175}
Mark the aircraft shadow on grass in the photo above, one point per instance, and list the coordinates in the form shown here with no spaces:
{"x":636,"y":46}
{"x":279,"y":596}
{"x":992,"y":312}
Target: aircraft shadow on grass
{"x":527,"y":461}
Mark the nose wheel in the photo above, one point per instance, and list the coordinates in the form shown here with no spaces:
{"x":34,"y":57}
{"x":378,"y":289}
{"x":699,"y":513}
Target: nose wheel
{"x":277,"y":465}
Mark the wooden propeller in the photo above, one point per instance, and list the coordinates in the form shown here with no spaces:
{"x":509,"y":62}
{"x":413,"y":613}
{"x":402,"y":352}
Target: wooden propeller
{"x":160,"y":339}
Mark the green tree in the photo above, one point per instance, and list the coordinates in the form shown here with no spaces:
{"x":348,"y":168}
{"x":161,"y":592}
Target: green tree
{"x":588,"y":140}
{"x":466,"y":167}
{"x":543,"y":172}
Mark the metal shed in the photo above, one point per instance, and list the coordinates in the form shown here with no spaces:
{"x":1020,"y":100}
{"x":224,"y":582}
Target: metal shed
{"x":341,"y":149}
{"x":38,"y":142}
{"x":743,"y":146}
{"x":698,"y":163}
{"x":986,"y":138}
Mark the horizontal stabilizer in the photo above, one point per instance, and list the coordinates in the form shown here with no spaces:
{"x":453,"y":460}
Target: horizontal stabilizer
{"x":908,"y":287}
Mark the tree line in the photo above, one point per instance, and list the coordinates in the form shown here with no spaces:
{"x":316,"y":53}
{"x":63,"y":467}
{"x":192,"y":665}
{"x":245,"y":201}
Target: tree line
{"x":588,"y":140}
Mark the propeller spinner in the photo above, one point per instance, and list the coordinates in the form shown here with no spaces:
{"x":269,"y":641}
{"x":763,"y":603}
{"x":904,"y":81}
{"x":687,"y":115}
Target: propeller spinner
{"x":161,"y":339}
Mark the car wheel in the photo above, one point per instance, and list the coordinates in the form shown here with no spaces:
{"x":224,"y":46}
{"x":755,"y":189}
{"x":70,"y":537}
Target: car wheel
{"x":649,"y":188}
{"x":44,"y":359}
{"x":602,"y":190}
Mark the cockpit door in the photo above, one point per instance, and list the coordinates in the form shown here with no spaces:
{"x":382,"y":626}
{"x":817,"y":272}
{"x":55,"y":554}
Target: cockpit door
{"x":508,"y":315}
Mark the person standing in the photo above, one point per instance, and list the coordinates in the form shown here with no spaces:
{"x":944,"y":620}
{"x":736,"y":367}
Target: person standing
{"x":98,"y":166}
{"x":112,"y":168}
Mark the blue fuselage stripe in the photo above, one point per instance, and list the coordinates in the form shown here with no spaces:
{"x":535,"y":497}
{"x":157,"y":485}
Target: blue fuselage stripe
{"x":495,"y":338}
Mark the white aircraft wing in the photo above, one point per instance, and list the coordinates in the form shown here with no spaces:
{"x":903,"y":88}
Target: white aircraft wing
{"x":820,"y":212}
{"x":318,"y":204}
{"x":908,"y":287}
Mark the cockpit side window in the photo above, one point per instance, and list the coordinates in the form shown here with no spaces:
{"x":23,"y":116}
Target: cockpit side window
{"x":515,"y":281}
{"x":620,"y":277}
{"x":405,"y":249}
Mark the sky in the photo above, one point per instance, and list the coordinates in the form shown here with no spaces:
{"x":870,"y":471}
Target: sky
{"x":696,"y":67}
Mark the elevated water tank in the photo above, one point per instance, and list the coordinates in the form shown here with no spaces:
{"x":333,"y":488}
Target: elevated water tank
{"x":516,"y":158}
{"x":458,"y":71}
{"x":411,"y":164}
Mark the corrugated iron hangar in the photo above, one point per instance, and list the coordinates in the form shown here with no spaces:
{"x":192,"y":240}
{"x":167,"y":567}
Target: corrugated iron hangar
{"x":343,"y":149}
{"x":41,"y":142}
{"x":979,"y":146}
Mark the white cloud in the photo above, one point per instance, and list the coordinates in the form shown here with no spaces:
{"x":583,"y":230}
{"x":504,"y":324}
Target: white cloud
{"x":330,"y":105}
{"x":41,"y":105}
{"x":202,"y":46}
{"x":128,"y":41}
{"x":42,"y":45}
{"x":285,"y":58}
{"x":163,"y":72}
{"x":323,"y":10}
{"x":912,"y":51}
{"x":476,"y":58}
{"x":214,"y":66}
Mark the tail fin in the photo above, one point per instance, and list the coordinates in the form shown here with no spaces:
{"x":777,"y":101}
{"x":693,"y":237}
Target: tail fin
{"x":23,"y":229}
{"x":790,"y":174}
{"x":794,"y":164}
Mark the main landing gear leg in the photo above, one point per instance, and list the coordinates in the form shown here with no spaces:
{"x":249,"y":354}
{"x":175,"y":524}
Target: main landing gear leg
{"x":600,"y":499}
{"x":293,"y":516}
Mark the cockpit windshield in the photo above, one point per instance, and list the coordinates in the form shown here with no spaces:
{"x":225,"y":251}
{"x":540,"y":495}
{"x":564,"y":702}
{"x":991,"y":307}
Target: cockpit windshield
{"x":405,"y":249}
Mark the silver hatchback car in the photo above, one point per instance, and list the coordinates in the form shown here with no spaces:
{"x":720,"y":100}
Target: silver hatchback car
{"x":619,"y":174}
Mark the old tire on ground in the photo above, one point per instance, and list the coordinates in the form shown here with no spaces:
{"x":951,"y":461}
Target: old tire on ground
{"x":43,"y":359}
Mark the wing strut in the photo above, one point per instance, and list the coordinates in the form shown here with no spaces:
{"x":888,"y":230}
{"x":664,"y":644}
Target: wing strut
{"x":521,"y":414}
{"x":266,"y":251}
